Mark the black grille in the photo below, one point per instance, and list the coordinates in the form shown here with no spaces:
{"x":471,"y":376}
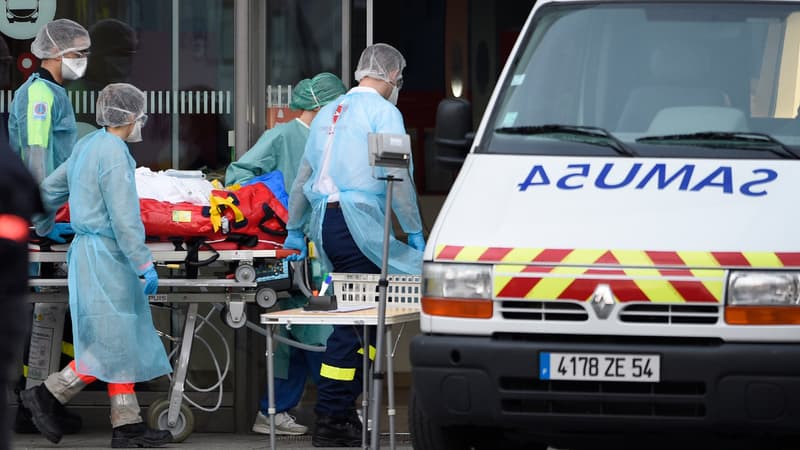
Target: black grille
{"x":591,"y":398}
{"x":544,"y":311}
{"x":666,"y":314}
{"x":594,"y":339}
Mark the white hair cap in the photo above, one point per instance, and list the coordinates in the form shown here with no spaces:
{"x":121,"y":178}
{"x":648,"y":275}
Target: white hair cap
{"x":119,"y":104}
{"x":378,"y":61}
{"x":58,"y":37}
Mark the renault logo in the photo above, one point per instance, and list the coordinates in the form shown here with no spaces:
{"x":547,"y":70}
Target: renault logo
{"x":603,"y":301}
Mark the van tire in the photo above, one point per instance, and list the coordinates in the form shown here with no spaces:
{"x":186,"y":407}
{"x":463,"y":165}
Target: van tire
{"x":427,"y":435}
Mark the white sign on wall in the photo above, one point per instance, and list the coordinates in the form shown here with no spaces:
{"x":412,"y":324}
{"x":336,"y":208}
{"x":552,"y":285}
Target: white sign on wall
{"x":22,"y":19}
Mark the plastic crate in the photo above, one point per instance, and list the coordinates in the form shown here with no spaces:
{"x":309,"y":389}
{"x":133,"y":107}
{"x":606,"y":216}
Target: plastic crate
{"x":359,"y":288}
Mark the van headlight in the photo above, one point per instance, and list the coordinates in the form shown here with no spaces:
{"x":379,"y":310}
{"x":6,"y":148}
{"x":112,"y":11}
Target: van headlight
{"x":457,"y":290}
{"x":457,"y":280}
{"x":763,"y":298}
{"x":763,"y":288}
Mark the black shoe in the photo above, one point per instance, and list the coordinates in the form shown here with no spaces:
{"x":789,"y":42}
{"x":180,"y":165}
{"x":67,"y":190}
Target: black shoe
{"x":139,"y":435}
{"x":43,"y":407}
{"x":70,"y":423}
{"x":354,"y":418}
{"x":23,"y":424}
{"x":337,"y":432}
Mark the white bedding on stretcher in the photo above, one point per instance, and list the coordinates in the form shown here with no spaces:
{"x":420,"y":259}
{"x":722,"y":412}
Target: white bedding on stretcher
{"x":173,"y":186}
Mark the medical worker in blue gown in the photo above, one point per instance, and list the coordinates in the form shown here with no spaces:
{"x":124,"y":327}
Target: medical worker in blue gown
{"x":115,"y":340}
{"x":341,"y":201}
{"x":281,"y":148}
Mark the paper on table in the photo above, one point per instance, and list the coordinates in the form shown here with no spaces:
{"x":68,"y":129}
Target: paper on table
{"x":347,"y":308}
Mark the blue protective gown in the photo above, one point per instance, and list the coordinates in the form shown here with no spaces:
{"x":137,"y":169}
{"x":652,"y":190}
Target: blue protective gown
{"x":115,"y":339}
{"x":61,"y":131}
{"x":362,"y":196}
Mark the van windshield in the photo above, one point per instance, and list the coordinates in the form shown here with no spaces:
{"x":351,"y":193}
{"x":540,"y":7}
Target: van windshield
{"x":711,"y":80}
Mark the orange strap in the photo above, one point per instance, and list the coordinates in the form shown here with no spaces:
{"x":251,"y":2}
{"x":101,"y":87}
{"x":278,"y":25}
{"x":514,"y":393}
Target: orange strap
{"x":120,"y":388}
{"x":13,"y":228}
{"x":87,"y":379}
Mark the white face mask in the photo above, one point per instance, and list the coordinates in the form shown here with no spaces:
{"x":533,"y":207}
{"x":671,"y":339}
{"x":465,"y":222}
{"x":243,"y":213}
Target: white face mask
{"x":393,"y":96}
{"x":136,"y":133}
{"x":73,"y":68}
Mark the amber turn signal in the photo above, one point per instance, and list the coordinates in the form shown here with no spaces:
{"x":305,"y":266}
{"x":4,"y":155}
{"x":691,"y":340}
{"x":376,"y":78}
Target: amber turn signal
{"x":465,"y":308}
{"x":762,"y":315}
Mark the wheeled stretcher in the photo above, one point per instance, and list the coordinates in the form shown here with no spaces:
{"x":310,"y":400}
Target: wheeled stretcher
{"x":224,"y":275}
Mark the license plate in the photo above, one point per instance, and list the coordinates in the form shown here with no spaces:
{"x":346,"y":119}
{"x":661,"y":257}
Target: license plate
{"x":599,"y":367}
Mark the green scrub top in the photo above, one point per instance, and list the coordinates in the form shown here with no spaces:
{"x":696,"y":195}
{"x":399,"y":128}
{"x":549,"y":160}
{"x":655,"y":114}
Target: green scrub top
{"x":280,"y":148}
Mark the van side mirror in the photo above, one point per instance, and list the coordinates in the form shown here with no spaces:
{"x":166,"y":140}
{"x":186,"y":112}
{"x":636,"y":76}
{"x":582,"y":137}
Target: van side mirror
{"x":453,"y":135}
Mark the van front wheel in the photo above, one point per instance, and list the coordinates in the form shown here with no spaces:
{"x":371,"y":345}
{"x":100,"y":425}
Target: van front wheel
{"x":427,"y":435}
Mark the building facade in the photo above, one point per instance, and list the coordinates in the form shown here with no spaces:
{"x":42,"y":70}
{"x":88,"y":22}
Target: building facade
{"x":217,"y":73}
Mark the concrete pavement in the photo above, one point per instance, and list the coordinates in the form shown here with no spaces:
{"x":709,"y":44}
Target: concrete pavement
{"x":102,"y":440}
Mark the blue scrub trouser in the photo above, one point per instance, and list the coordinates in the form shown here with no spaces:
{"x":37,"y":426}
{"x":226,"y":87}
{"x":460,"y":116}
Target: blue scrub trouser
{"x":336,"y":396}
{"x":289,"y":391}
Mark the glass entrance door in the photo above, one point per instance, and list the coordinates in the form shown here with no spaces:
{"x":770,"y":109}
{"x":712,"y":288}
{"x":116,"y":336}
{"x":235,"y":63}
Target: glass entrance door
{"x":179,"y":52}
{"x":307,"y":37}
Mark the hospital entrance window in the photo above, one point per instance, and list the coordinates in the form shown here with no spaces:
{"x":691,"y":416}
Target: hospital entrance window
{"x":180,"y":53}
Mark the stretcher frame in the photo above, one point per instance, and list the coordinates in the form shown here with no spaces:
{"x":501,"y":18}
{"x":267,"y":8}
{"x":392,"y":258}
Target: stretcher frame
{"x":242,"y":289}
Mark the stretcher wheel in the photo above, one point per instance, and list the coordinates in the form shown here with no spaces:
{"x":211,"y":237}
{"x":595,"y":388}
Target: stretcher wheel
{"x":227,"y":317}
{"x":245,"y":273}
{"x":266,"y":297}
{"x":157,"y":418}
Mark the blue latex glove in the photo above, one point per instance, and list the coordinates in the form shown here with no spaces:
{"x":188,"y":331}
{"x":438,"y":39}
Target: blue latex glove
{"x":417,"y":241}
{"x":59,"y":230}
{"x":150,"y":281}
{"x":296,"y":240}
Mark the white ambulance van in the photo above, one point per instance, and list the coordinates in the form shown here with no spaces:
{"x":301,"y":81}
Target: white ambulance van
{"x":619,"y":257}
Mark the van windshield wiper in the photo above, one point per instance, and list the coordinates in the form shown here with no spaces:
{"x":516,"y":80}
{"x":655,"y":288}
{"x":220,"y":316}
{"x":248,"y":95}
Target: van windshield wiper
{"x":607,"y":139}
{"x":775,"y":146}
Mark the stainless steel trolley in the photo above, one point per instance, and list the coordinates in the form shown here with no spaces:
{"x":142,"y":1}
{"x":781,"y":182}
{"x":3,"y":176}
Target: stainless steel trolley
{"x":226,"y":279}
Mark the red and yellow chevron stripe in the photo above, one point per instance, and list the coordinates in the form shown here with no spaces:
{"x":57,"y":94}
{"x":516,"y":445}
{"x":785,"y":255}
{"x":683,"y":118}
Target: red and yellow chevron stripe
{"x":633,"y":275}
{"x":628,"y":285}
{"x":647,"y":258}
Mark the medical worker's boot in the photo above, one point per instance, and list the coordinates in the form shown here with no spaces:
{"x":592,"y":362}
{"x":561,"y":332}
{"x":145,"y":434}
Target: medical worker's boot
{"x":23,"y":424}
{"x":51,"y":416}
{"x":139,"y":435}
{"x":42,"y":405}
{"x":71,"y":423}
{"x":334,"y":431}
{"x":129,"y":430}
